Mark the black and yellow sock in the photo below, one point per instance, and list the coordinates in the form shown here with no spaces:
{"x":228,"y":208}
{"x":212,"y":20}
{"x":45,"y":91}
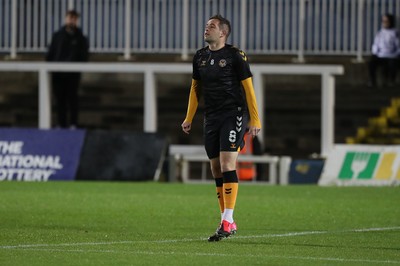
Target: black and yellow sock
{"x":219,"y":181}
{"x":230,"y":188}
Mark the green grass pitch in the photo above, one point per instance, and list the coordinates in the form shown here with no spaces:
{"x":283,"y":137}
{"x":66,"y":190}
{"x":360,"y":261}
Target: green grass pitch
{"x":100,"y":223}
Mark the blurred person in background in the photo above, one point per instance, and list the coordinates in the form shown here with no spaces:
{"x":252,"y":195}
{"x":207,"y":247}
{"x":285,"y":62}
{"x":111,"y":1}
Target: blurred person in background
{"x":221,"y":73}
{"x":68,"y":44}
{"x":385,"y":52}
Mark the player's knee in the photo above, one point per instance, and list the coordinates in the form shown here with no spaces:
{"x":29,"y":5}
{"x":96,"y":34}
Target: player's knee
{"x":228,"y":166}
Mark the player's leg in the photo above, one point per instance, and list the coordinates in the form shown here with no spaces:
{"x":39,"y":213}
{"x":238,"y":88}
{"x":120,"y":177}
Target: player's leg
{"x":230,"y":191}
{"x":232,"y":140}
{"x":211,"y":143}
{"x":216,"y":172}
{"x":230,"y":183}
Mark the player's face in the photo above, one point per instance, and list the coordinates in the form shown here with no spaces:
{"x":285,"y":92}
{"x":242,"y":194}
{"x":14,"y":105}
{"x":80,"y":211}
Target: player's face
{"x":212,"y":32}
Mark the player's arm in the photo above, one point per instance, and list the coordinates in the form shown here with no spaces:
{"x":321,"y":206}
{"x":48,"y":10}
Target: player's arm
{"x":192,"y":106}
{"x":251,"y":103}
{"x":244,"y":74}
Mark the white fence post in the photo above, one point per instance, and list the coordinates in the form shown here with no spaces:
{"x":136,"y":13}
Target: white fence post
{"x":243,"y":24}
{"x":70,"y":4}
{"x":127,"y":49}
{"x":284,"y":168}
{"x":150,"y":102}
{"x":360,"y":33}
{"x":185,"y":31}
{"x":300,"y":52}
{"x":13,"y":50}
{"x":327,"y":113}
{"x":44,"y":99}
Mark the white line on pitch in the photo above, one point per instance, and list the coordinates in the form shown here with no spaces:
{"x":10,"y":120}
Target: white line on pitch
{"x":174,"y":253}
{"x":200,"y":239}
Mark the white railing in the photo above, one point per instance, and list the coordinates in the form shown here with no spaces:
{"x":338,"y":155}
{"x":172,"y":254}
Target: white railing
{"x":292,"y":27}
{"x":149,"y":70}
{"x":180,"y":157}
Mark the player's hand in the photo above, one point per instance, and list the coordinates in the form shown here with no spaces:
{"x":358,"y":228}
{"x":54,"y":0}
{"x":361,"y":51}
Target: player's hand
{"x":186,"y":127}
{"x":254,"y":131}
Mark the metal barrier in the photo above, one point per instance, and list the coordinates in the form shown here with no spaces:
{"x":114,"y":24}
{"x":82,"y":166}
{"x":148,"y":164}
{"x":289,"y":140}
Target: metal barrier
{"x":149,"y":70}
{"x":292,"y":27}
{"x":180,"y":157}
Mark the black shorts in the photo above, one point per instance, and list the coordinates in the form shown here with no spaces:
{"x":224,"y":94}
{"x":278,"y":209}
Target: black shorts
{"x":225,"y":133}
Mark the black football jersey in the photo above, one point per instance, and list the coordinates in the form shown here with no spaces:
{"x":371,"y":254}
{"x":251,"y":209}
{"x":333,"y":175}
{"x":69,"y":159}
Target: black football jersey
{"x":220,"y":74}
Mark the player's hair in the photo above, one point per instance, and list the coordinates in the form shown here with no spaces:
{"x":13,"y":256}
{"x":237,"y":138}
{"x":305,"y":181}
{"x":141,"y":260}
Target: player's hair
{"x":72,"y":13}
{"x":224,"y":23}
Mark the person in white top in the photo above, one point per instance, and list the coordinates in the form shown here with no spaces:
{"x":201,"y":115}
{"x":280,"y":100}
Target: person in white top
{"x":385,"y":52}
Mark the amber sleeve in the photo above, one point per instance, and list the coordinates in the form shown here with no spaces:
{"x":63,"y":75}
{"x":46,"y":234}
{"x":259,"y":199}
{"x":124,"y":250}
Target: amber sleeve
{"x":193,"y":101}
{"x":251,"y":102}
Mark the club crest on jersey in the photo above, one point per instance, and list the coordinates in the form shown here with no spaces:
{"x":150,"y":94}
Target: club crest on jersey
{"x":222,"y":63}
{"x":212,"y":62}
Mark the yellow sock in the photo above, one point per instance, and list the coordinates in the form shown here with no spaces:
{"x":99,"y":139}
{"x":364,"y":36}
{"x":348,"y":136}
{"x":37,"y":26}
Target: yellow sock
{"x":230,"y":188}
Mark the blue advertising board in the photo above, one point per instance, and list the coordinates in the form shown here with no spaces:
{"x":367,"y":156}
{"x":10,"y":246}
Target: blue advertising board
{"x":305,"y":171}
{"x":39,"y":155}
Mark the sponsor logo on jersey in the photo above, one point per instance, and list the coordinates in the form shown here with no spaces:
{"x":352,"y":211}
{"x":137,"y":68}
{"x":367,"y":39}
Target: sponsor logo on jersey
{"x":203,"y":63}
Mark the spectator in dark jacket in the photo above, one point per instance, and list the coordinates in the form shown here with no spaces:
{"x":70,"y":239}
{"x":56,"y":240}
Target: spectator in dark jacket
{"x":385,"y":51}
{"x":68,"y":44}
